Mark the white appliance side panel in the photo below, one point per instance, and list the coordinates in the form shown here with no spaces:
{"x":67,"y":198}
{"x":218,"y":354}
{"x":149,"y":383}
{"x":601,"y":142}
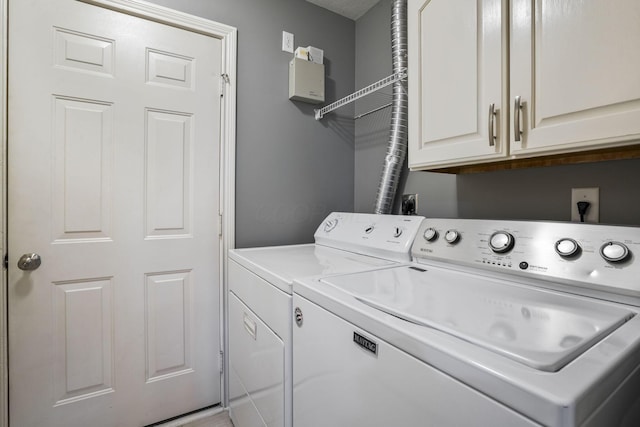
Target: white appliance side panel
{"x":256,"y":356}
{"x":268,"y":302}
{"x":242,"y":411}
{"x":622,"y":408}
{"x":339,"y":383}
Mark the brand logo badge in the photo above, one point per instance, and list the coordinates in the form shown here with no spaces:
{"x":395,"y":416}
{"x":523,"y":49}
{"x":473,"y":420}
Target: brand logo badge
{"x":365,"y":343}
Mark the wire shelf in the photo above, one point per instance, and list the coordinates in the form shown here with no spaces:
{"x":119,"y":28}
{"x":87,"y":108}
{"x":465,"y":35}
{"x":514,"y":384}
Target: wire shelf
{"x":400,"y":75}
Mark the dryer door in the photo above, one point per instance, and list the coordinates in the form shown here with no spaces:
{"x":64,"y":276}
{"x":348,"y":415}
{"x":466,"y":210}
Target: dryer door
{"x":256,"y":365}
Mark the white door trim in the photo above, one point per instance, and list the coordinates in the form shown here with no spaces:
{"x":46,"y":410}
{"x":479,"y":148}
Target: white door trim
{"x":145,"y":10}
{"x":4,"y":369}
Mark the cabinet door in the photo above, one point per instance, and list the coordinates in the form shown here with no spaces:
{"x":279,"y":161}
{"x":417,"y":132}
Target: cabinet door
{"x":576,"y":66}
{"x":456,"y":71}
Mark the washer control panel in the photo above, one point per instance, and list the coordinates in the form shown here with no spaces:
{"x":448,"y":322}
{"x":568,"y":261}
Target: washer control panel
{"x":388,"y":236}
{"x":601,"y":257}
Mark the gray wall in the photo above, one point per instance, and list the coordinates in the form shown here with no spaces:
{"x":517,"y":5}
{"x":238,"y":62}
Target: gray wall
{"x":545,"y":193}
{"x":291,"y":170}
{"x":537,"y":193}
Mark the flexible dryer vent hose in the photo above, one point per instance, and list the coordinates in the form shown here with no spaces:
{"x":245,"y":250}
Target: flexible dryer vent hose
{"x":397,"y":146}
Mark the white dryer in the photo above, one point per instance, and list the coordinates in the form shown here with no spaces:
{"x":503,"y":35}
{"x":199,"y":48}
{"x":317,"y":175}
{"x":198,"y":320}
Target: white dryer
{"x":496,"y":323}
{"x":260,"y":310}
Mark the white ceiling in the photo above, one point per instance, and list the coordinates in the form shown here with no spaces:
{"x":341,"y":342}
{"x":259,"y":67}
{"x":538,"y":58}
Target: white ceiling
{"x":352,"y":9}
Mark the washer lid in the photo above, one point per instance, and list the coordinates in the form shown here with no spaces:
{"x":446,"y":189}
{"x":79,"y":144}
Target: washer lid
{"x":542,"y":329}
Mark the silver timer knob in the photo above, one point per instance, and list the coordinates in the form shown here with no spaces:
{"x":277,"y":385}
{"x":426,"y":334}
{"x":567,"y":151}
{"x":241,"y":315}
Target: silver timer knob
{"x":501,"y":242}
{"x":430,"y":234}
{"x":566,"y":247}
{"x":452,"y":236}
{"x":614,"y":251}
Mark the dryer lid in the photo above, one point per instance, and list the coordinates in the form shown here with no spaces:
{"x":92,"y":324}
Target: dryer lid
{"x":539,"y":328}
{"x":286,"y":263}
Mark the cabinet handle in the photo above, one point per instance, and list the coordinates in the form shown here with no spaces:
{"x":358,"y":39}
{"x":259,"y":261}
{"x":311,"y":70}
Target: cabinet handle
{"x":492,"y":124}
{"x":517,"y":110}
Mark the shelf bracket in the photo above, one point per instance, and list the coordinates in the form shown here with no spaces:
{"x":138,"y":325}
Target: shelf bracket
{"x":400,"y":75}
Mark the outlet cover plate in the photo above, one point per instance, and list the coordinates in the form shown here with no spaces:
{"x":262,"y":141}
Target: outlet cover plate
{"x":409,"y":204}
{"x":591,"y":195}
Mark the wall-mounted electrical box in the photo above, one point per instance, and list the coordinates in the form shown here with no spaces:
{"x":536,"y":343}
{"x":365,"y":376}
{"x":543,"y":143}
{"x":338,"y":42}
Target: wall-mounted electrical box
{"x":306,"y":81}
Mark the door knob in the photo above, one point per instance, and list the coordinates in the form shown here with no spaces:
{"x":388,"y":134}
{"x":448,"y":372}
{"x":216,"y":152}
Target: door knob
{"x":29,"y":262}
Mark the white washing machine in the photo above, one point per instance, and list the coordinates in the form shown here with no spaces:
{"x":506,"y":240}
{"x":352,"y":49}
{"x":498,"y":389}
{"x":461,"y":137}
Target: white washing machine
{"x":260,"y":310}
{"x":496,"y":323}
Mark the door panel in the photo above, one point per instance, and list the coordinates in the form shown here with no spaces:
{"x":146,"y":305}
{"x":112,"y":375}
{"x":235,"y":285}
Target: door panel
{"x":455,"y":75}
{"x":82,"y":339}
{"x":575,"y":65}
{"x":114,"y":181}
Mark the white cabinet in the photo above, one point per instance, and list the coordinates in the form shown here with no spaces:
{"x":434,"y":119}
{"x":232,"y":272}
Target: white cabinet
{"x":574,"y":66}
{"x":457,"y":70}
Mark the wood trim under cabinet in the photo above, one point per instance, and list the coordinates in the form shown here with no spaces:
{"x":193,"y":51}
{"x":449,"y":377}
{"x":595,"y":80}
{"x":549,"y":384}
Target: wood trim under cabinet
{"x":617,"y":153}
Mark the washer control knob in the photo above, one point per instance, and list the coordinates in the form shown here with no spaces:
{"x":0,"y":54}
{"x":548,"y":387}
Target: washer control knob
{"x":614,"y":251}
{"x":397,"y":232}
{"x":430,"y":234}
{"x":501,"y":242}
{"x":369,"y":229}
{"x":330,"y":225}
{"x":566,"y":247}
{"x":452,"y":236}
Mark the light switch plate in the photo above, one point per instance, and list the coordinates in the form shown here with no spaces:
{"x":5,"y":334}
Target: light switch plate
{"x":287,"y":42}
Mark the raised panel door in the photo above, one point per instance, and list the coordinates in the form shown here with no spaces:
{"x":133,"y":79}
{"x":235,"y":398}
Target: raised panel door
{"x":114,"y":180}
{"x":576,"y":67}
{"x":456,"y":79}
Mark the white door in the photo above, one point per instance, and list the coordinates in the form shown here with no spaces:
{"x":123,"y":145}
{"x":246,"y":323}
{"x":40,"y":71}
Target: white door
{"x":113,"y":176}
{"x":576,"y":67}
{"x":456,"y":77}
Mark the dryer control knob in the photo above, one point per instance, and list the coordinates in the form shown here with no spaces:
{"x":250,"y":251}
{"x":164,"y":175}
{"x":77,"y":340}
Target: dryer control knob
{"x":397,"y":232}
{"x":614,"y":251}
{"x":566,"y":247}
{"x":501,"y":242}
{"x":430,"y":234}
{"x":330,"y":225}
{"x":452,"y":236}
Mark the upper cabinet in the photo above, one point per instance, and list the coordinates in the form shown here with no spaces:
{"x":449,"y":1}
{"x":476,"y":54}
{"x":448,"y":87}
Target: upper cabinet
{"x":457,"y":72}
{"x":575,"y":65}
{"x":493,"y":80}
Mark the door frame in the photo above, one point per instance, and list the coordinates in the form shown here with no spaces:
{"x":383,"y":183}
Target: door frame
{"x":226,"y":216}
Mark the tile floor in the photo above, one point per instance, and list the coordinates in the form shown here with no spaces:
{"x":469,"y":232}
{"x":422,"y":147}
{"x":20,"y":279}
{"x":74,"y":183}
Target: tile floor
{"x":219,"y":420}
{"x":214,"y":417}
